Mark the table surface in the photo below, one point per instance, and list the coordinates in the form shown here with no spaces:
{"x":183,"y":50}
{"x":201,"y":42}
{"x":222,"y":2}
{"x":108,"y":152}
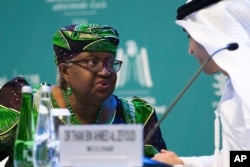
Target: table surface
{"x":147,"y":162}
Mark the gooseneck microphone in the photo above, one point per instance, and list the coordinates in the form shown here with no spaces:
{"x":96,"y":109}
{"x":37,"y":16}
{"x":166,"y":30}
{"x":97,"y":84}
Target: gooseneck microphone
{"x":230,"y":47}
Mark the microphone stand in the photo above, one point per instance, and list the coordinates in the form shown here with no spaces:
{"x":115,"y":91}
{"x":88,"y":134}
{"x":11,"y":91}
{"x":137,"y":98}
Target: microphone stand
{"x":150,"y":134}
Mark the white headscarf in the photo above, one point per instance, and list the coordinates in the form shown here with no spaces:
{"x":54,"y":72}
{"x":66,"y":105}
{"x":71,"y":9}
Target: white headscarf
{"x":219,"y":24}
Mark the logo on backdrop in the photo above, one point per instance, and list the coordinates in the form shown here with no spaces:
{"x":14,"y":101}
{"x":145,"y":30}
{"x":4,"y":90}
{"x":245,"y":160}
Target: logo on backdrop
{"x":135,"y":68}
{"x":134,"y":78}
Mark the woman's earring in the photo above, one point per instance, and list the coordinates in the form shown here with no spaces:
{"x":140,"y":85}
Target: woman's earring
{"x":69,"y":91}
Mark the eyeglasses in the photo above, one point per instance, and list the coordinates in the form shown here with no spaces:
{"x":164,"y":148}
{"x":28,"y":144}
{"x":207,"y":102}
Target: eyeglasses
{"x":93,"y":65}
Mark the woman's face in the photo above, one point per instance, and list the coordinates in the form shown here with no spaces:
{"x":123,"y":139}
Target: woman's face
{"x":202,"y":55}
{"x":86,"y":84}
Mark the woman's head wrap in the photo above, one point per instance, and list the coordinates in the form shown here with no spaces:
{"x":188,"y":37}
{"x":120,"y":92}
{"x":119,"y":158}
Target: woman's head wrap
{"x":71,"y":40}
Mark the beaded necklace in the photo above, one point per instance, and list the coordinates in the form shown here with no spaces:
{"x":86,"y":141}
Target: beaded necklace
{"x":73,"y":118}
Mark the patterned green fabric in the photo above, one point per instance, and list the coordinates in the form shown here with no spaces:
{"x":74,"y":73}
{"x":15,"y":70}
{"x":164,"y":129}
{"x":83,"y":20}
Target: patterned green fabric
{"x":135,"y":111}
{"x":9,"y":119}
{"x":73,"y":39}
{"x":150,"y":151}
{"x":129,"y":111}
{"x":143,"y":111}
{"x":8,"y":124}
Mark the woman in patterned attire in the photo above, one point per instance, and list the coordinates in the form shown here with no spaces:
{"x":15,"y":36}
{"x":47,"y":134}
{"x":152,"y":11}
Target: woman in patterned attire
{"x":87,"y":74}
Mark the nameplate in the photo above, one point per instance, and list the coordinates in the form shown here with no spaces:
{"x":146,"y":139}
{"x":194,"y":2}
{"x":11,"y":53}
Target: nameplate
{"x":101,"y":145}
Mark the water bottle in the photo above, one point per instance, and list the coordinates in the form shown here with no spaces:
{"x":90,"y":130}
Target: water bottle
{"x":45,"y":150}
{"x":25,"y":131}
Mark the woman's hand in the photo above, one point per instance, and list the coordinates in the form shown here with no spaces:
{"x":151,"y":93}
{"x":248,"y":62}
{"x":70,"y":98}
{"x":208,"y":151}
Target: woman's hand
{"x":168,"y":157}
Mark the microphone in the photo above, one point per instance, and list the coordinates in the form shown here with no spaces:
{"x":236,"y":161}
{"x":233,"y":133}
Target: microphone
{"x":230,"y":47}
